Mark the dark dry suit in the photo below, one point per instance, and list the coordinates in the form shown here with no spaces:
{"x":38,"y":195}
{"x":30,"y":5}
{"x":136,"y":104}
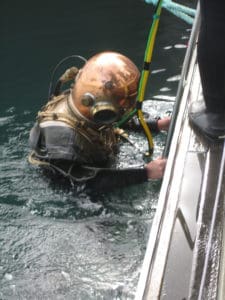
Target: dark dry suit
{"x":79,"y":150}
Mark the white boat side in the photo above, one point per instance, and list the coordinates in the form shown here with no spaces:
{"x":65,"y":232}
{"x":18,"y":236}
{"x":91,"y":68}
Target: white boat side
{"x":185,"y":255}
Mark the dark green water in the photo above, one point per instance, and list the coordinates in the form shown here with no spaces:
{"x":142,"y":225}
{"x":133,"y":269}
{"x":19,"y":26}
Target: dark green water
{"x":65,"y":244}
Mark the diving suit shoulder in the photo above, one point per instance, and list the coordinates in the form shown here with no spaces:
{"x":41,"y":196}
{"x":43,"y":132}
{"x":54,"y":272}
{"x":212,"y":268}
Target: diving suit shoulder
{"x":59,"y":134}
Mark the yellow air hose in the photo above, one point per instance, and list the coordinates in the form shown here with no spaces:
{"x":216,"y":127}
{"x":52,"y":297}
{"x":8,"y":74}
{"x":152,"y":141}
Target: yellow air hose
{"x":144,"y":78}
{"x":145,"y":74}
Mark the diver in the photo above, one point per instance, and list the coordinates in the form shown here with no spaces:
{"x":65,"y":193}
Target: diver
{"x":75,"y":134}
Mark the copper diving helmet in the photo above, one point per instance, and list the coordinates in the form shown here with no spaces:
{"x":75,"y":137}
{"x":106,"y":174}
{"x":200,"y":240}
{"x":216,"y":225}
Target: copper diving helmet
{"x":105,"y":88}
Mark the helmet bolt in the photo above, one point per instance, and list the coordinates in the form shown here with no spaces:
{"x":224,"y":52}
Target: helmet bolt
{"x":87,"y":100}
{"x":109,"y":85}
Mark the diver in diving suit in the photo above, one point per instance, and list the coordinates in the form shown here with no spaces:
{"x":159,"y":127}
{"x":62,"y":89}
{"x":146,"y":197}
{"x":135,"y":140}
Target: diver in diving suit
{"x":75,"y":134}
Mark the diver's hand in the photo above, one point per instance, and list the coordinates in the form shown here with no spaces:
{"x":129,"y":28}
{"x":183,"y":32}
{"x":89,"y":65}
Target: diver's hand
{"x":155,"y":169}
{"x":163,"y":124}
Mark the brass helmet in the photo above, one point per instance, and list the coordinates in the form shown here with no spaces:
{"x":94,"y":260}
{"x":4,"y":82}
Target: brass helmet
{"x":105,"y":88}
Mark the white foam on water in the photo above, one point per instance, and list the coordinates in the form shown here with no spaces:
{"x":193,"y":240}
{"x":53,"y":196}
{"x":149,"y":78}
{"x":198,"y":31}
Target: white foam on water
{"x":8,"y":276}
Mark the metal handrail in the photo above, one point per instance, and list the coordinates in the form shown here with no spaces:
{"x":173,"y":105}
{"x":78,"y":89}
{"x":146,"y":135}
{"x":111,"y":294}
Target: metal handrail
{"x":182,"y":83}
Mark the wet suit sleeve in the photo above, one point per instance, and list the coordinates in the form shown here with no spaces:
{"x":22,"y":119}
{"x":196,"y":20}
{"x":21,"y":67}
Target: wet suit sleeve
{"x":152,"y":123}
{"x":107,"y":178}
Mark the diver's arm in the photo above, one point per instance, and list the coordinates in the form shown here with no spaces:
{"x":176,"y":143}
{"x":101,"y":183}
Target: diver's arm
{"x":109,"y":178}
{"x":155,"y":124}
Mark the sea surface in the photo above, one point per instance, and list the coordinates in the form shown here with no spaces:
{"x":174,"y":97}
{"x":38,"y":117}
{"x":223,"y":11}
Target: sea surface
{"x":63,"y":243}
